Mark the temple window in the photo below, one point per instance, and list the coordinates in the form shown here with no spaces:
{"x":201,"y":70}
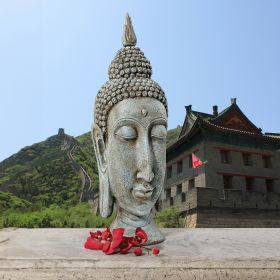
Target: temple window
{"x":247,"y":159}
{"x":169,"y":172}
{"x":190,"y":161}
{"x":179,"y":189}
{"x":191,"y":184}
{"x":227,"y":180}
{"x":179,"y":166}
{"x":249,"y":183}
{"x":168,"y":193}
{"x":269,"y":185}
{"x":266,"y":161}
{"x":225,"y":156}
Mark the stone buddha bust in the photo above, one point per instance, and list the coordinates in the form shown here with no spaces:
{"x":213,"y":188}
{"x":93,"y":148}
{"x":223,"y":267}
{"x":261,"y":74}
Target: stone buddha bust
{"x":129,"y":136}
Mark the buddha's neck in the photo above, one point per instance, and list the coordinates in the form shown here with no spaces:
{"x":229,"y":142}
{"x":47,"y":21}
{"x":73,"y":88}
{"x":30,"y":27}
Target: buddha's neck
{"x":126,"y":218}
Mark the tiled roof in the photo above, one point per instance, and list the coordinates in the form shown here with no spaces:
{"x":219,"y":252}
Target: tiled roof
{"x":202,"y":123}
{"x":234,"y":108}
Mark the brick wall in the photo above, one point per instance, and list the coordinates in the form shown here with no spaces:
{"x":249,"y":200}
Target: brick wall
{"x":223,"y":218}
{"x":237,"y":199}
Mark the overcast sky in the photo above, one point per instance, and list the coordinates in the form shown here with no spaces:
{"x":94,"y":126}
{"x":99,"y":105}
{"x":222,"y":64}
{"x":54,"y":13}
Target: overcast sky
{"x":54,"y":56}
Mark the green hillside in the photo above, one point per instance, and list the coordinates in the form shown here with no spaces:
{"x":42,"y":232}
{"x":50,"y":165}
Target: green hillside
{"x":172,"y":135}
{"x":7,"y":201}
{"x":43,"y":173}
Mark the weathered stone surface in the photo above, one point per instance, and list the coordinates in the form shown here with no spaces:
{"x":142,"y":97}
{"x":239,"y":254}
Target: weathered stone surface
{"x":186,"y":254}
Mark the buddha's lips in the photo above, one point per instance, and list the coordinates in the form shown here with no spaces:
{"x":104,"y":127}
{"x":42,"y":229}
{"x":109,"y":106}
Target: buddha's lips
{"x":142,"y":192}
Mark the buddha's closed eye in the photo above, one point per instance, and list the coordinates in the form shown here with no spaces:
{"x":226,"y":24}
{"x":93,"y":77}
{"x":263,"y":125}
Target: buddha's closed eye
{"x":127,"y":133}
{"x":159,"y":132}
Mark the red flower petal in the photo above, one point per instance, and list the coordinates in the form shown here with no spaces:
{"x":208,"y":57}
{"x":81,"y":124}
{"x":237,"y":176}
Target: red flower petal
{"x":142,"y":234}
{"x":93,"y":244}
{"x":138,"y":251}
{"x":95,"y":234}
{"x":106,"y":234}
{"x":110,"y":251}
{"x":117,"y":237}
{"x":155,"y":250}
{"x":125,"y":245}
{"x":106,"y":246}
{"x":140,"y":237}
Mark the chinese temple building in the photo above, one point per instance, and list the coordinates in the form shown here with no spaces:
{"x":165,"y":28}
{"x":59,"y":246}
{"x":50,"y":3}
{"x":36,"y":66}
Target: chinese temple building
{"x":238,"y":183}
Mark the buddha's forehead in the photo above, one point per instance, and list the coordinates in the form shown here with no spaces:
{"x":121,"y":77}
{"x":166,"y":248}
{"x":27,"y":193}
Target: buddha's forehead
{"x":143,"y":109}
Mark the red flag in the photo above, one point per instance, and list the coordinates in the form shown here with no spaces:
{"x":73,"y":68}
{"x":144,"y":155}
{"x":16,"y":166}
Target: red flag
{"x":196,"y":162}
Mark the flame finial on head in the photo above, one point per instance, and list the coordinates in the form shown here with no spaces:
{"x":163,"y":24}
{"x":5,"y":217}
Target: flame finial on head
{"x":129,"y":77}
{"x":129,"y":37}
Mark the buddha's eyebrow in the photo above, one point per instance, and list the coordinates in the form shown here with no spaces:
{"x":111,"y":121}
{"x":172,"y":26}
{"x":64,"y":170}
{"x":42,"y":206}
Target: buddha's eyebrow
{"x":158,"y":121}
{"x":132,"y":121}
{"x":126,"y":121}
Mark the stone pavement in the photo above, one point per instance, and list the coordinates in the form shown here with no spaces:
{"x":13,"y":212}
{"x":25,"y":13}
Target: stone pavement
{"x":186,"y":254}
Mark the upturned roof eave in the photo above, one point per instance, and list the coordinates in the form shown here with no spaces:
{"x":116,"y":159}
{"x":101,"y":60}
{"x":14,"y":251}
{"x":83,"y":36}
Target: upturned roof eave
{"x":184,"y":137}
{"x":226,"y":111}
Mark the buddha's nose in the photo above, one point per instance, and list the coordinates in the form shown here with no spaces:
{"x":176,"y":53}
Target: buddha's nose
{"x":145,"y":163}
{"x":146,"y":175}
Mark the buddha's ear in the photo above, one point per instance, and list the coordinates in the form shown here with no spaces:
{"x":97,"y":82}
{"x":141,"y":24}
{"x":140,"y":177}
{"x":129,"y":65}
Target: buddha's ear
{"x":105,"y":197}
{"x":99,"y":147}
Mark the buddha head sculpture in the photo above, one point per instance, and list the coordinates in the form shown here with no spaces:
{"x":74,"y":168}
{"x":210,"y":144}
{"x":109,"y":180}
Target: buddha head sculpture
{"x":129,"y":136}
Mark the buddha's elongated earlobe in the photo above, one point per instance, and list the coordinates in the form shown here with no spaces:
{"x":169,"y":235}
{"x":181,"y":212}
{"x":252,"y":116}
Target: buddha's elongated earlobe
{"x":105,"y":197}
